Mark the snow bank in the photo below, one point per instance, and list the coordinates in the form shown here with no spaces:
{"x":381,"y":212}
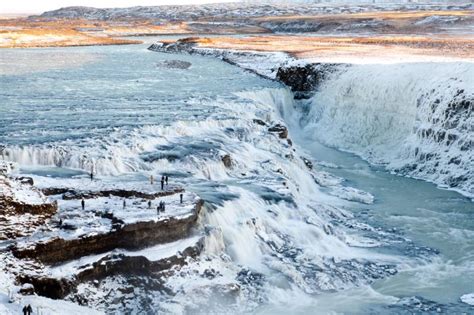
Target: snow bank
{"x":43,"y":306}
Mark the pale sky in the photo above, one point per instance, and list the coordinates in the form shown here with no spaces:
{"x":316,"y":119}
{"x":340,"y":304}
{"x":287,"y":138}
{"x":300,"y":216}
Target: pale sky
{"x":39,"y":6}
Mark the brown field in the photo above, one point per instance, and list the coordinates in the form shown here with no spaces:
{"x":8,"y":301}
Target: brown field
{"x":382,"y":15}
{"x":25,"y":38}
{"x":390,"y":37}
{"x":22,"y":32}
{"x":348,"y":47}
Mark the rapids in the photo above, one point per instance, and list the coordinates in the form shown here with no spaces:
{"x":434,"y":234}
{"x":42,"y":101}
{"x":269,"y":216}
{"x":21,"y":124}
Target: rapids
{"x":289,"y":237}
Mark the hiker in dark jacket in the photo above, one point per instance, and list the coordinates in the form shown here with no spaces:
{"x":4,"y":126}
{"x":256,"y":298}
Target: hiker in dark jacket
{"x":181,"y":198}
{"x":29,"y":310}
{"x":83,"y":203}
{"x":166,"y":180}
{"x":162,"y":183}
{"x":149,"y":204}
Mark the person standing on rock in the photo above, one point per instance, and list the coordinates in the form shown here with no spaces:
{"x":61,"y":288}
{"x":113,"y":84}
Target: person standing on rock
{"x":124,"y":203}
{"x":83,"y":203}
{"x":27,"y":310}
{"x":149,"y":204}
{"x":162,"y":182}
{"x":92,"y":176}
{"x":181,"y":198}
{"x":166,"y":180}
{"x":163,"y":206}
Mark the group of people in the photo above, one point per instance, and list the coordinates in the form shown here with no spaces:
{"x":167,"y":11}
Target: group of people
{"x":164,"y":180}
{"x":161,"y":206}
{"x":27,"y":310}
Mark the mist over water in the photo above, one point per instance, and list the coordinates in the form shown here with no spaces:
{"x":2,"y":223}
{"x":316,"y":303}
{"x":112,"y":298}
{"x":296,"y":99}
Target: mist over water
{"x":286,"y":235}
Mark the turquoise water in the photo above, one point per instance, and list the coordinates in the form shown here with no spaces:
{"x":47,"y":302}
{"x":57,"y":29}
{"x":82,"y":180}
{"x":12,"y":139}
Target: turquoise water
{"x":441,"y":220}
{"x":117,"y":110}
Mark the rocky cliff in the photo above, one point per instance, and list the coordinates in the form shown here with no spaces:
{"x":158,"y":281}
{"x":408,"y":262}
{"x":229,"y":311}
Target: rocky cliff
{"x":60,"y":246}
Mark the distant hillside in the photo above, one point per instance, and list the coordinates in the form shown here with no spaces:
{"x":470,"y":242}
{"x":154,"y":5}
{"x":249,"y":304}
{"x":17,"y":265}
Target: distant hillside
{"x":244,"y":10}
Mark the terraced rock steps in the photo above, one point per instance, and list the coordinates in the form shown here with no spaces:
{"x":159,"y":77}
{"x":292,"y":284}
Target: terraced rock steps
{"x":119,"y":231}
{"x":23,"y":208}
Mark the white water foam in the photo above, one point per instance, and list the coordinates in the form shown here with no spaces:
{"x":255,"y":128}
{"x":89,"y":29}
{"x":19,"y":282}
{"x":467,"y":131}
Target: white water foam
{"x":416,"y":119}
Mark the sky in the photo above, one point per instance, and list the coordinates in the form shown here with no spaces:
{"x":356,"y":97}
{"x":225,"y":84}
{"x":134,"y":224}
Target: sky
{"x":39,"y":6}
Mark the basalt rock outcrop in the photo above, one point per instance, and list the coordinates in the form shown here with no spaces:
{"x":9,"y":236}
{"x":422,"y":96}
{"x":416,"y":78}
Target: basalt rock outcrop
{"x":110,"y":265}
{"x":60,"y":244}
{"x":304,"y":80}
{"x":70,"y":193}
{"x":281,"y":130}
{"x":131,"y":236}
{"x":227,"y":160}
{"x":19,"y":196}
{"x":23,"y":208}
{"x":184,"y":45}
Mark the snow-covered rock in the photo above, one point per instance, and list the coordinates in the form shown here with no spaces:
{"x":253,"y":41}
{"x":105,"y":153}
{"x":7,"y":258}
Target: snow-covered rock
{"x":468,"y":298}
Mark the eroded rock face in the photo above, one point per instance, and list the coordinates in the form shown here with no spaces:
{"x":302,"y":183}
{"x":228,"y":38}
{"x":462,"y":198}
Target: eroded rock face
{"x":136,"y":265}
{"x":69,"y":194}
{"x":181,"y":45}
{"x":47,"y":209}
{"x":117,"y":246}
{"x":23,"y":208}
{"x":227,"y":160}
{"x":131,"y":236}
{"x":111,"y":265}
{"x":25,"y":180}
{"x":280,"y":129}
{"x":304,"y":80}
{"x":18,"y":196}
{"x":49,"y":287}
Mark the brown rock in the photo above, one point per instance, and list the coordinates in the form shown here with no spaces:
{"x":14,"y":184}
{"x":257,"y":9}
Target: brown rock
{"x":227,"y":160}
{"x":132,"y":236}
{"x":280,"y":129}
{"x":259,"y":122}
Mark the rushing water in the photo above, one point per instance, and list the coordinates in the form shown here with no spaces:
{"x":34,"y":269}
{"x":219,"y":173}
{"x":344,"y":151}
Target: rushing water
{"x":288,"y":242}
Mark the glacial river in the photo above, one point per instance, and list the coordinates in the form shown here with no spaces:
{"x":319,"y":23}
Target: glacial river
{"x":287,"y":241}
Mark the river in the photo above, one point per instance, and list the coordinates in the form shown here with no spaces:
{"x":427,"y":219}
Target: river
{"x":125,"y":113}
